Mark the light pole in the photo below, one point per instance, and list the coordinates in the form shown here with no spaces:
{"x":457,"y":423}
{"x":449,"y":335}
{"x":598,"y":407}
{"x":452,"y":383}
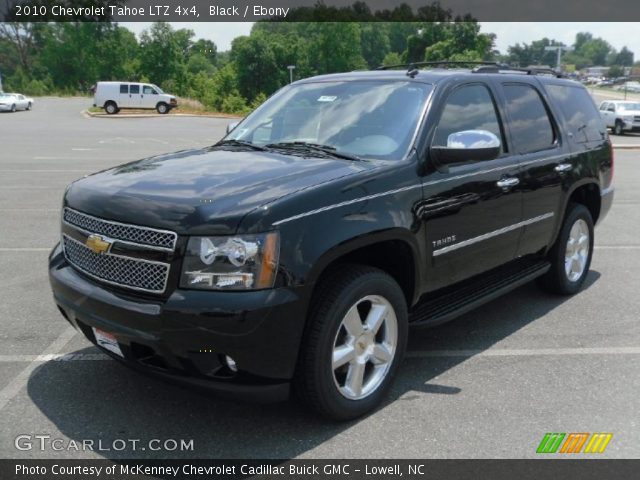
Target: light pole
{"x":291,"y":69}
{"x":559,"y":49}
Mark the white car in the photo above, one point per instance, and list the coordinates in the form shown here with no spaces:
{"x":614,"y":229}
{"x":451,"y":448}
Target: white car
{"x":113,"y":96}
{"x":19,"y":102}
{"x":621,"y":115}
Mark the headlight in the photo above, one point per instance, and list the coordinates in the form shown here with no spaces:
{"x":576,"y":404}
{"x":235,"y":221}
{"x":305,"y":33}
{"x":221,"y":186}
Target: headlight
{"x":246,"y":262}
{"x":628,"y":118}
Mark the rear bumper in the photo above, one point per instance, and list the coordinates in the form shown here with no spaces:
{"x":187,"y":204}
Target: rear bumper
{"x":186,"y":336}
{"x":606,"y":200}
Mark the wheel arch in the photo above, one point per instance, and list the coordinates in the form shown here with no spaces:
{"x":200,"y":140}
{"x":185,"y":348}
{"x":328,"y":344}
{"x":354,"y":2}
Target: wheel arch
{"x":585,"y":192}
{"x":373,"y":250}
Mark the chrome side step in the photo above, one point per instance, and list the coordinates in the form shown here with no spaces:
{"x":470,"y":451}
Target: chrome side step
{"x":450,"y":302}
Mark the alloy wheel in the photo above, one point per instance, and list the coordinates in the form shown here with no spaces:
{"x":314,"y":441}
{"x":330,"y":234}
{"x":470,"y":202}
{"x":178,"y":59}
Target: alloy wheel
{"x":577,"y":251}
{"x":364,"y":347}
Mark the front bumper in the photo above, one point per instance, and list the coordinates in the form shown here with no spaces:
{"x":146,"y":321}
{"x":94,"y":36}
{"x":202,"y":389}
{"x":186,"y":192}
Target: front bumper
{"x":184,"y":337}
{"x":5,"y":108}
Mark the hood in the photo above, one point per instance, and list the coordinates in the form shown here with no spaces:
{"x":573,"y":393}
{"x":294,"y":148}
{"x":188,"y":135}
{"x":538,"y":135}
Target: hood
{"x":205,"y":191}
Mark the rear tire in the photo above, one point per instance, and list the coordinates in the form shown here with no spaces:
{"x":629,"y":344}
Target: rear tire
{"x":111,"y":108}
{"x":571,"y":255}
{"x":354,"y":342}
{"x":617,"y":128}
{"x":162,"y":108}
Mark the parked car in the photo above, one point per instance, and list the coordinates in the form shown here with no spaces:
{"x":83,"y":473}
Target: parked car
{"x":621,"y":116}
{"x":114,"y":96}
{"x":22,"y":102}
{"x":296,"y":252}
{"x":11,"y":102}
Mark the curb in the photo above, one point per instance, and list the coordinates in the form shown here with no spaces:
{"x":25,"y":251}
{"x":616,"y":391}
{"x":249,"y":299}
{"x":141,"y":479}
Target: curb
{"x":89,"y":114}
{"x":626,"y":147}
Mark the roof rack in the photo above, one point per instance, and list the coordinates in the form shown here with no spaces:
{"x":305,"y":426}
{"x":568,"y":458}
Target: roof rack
{"x":481,"y":67}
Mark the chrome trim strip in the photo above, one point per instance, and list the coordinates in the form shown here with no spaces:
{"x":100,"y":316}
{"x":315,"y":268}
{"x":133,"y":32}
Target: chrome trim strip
{"x":426,"y":184}
{"x":121,"y":285}
{"x":495,"y":233}
{"x":607,"y":190}
{"x":127,"y":225}
{"x":346,"y":202}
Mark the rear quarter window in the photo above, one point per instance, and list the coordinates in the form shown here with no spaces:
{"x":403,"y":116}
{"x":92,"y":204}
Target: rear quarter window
{"x":579,"y":110}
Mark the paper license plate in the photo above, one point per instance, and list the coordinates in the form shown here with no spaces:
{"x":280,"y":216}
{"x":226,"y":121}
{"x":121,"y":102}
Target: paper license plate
{"x":108,"y":341}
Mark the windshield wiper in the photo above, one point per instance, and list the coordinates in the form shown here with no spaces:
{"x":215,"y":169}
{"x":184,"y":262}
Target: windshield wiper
{"x":239,"y":143}
{"x":308,"y":147}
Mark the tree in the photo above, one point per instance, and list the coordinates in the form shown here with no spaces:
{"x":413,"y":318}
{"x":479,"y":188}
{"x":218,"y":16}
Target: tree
{"x":624,"y":57}
{"x":164,"y":54}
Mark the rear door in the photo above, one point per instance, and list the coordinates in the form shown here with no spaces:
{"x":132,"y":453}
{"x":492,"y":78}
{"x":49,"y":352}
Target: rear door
{"x":472,"y":210}
{"x":606,"y":114}
{"x":544,"y":157}
{"x":135,"y":92}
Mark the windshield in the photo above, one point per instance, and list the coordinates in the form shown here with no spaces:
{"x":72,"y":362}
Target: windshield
{"x":158,"y":89}
{"x":629,"y":106}
{"x":368,"y":119}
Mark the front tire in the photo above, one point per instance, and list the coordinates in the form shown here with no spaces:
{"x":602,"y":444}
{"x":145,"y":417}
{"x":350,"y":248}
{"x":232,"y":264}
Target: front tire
{"x":29,"y":106}
{"x":162,"y":108}
{"x":354,"y":342}
{"x":618,"y":129}
{"x":13,"y":108}
{"x":571,"y":255}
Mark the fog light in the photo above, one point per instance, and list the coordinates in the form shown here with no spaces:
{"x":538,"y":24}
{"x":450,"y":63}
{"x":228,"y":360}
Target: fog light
{"x":231,"y":363}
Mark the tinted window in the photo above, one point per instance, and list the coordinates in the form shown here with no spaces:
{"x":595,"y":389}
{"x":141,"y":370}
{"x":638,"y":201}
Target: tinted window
{"x":603,"y":106}
{"x":580,"y":112}
{"x":529,"y":122}
{"x":134,"y":89}
{"x":124,"y":88}
{"x":467,"y":108}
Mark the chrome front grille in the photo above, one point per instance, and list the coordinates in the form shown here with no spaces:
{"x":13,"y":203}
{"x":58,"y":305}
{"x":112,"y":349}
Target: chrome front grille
{"x":159,"y":239}
{"x":128,"y":272}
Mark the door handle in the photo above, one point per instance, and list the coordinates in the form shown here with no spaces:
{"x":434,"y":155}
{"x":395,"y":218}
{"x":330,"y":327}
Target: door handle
{"x":507,"y":183}
{"x":563,"y":167}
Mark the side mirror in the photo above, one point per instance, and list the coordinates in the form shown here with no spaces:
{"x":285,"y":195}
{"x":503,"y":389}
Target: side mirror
{"x":231,"y":126}
{"x":467,"y":146}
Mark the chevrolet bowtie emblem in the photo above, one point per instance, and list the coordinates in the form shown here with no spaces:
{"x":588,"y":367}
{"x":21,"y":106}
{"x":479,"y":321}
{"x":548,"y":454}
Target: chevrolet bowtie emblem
{"x":98,"y":244}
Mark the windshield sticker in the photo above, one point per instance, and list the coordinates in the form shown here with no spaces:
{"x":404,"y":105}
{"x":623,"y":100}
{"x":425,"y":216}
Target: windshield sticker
{"x":327,"y":98}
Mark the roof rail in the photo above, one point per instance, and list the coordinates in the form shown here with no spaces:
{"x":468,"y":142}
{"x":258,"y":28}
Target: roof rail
{"x":411,"y":65}
{"x":481,"y":67}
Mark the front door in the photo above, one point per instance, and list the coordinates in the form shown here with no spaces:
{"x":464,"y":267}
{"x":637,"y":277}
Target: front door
{"x":472,"y":211}
{"x":149,"y":97}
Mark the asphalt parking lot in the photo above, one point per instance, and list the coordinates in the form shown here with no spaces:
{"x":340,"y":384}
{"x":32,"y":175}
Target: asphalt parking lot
{"x":488,"y":385}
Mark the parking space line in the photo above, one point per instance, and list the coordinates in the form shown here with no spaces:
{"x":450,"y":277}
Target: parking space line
{"x":54,"y":357}
{"x":25,"y":249}
{"x":14,"y":387}
{"x":43,"y":171}
{"x":29,"y":187}
{"x":533,"y":352}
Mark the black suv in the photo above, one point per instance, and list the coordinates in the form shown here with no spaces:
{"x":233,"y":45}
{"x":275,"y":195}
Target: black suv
{"x":297,"y":252}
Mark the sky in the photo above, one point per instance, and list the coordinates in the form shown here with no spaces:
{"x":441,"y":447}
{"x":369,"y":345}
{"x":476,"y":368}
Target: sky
{"x":617,"y":34}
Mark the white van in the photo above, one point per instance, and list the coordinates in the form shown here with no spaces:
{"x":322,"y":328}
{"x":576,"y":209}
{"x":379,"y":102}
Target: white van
{"x":112,"y":96}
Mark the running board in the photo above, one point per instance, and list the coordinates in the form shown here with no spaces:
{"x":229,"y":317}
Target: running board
{"x":450,"y":302}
